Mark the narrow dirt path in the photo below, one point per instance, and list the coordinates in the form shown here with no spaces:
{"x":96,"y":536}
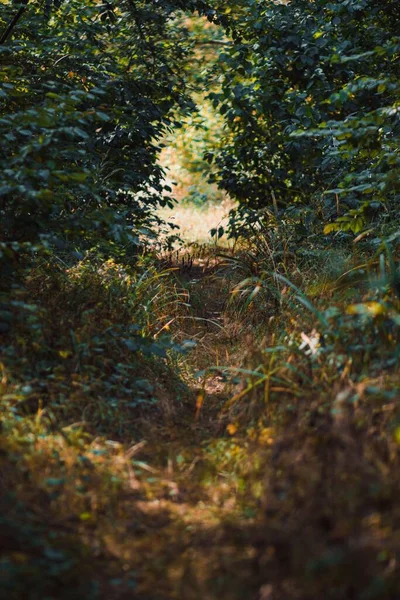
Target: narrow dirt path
{"x":251,"y":507}
{"x":185,"y":535}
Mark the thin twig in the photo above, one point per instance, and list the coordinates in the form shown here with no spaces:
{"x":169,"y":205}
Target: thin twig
{"x":14,"y":21}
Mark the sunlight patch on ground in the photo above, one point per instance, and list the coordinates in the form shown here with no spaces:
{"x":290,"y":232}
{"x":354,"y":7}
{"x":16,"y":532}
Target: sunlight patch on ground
{"x":196,"y":223}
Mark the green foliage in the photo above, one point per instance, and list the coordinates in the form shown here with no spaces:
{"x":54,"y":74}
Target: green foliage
{"x":85,"y":93}
{"x":183,"y":155}
{"x":94,"y":360}
{"x":310,"y":95}
{"x":186,"y":146}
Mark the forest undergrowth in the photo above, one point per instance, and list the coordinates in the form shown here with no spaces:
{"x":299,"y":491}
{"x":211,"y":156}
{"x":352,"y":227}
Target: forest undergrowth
{"x":262,"y":463}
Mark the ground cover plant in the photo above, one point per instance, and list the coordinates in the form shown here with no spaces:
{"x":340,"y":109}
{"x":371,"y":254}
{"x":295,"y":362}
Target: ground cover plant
{"x":210,"y":411}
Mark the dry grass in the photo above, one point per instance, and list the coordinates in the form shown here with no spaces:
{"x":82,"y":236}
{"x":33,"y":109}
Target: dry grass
{"x":195,"y":223}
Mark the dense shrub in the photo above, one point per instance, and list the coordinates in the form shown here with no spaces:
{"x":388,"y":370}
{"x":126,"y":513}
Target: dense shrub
{"x":310,"y":96}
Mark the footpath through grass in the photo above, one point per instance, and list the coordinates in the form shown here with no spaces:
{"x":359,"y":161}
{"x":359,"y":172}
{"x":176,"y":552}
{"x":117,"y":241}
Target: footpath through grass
{"x":272,"y":474}
{"x":89,"y":511}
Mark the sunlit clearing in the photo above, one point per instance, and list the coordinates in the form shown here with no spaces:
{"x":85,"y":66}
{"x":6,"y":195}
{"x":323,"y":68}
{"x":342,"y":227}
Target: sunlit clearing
{"x":196,"y":223}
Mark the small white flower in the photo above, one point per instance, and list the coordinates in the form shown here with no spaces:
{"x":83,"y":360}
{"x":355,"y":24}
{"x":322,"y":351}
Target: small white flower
{"x":311,"y":343}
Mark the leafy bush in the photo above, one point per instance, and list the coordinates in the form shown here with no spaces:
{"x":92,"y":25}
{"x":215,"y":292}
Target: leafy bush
{"x":309,"y":94}
{"x":86,"y":92}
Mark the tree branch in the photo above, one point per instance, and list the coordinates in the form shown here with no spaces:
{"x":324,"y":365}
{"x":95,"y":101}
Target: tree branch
{"x":14,"y":21}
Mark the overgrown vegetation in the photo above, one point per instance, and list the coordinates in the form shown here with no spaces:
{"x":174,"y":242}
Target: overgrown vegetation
{"x":215,"y":417}
{"x":310,"y":94}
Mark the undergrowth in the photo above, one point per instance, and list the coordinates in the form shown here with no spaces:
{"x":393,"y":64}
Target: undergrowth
{"x":319,"y":393}
{"x":82,"y":367}
{"x":261,"y":464}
